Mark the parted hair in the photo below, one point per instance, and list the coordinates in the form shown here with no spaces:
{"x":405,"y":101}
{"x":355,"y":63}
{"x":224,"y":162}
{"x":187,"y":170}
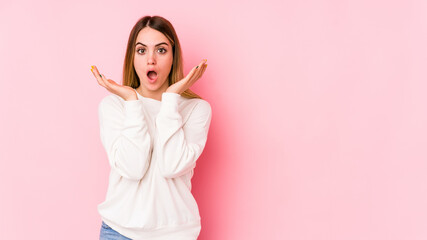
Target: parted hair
{"x":130,"y":78}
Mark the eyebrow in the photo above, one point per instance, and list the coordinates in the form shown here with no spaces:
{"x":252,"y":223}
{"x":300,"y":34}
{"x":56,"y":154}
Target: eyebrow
{"x":155,"y":46}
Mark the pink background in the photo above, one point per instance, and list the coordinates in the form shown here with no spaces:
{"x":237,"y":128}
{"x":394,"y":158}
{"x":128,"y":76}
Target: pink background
{"x":319,"y":115}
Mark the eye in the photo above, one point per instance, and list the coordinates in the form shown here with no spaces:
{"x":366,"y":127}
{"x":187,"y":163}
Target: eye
{"x":139,"y":50}
{"x":163,"y":49}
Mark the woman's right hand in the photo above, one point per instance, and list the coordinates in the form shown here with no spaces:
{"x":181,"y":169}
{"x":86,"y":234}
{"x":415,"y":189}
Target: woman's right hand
{"x":125,"y":92}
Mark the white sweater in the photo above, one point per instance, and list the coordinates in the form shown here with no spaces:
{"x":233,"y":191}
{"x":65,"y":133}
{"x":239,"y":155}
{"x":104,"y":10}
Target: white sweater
{"x":152,"y":147}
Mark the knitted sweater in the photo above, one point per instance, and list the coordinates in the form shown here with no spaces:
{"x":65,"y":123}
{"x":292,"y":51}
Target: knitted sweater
{"x":152,"y":147}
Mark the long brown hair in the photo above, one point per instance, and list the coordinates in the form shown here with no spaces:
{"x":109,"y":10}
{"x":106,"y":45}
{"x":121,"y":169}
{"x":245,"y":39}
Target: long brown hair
{"x":130,"y":78}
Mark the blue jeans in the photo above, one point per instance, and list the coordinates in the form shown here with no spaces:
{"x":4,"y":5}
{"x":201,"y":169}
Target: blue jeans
{"x":107,"y":233}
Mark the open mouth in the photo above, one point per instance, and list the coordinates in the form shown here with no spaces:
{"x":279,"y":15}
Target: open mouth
{"x":152,"y":75}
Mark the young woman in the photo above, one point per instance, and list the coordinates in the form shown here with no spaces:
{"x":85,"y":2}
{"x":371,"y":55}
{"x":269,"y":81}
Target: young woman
{"x":153,"y":128}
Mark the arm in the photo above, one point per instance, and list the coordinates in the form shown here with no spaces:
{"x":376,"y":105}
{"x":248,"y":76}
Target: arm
{"x":181,"y":146}
{"x":125,"y":137}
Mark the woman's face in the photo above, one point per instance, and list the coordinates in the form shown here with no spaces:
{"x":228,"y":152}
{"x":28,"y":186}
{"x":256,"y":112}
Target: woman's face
{"x":153,"y":51}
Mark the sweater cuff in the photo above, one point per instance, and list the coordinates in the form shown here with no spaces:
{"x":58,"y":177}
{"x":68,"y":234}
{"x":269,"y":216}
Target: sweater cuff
{"x":133,"y":108}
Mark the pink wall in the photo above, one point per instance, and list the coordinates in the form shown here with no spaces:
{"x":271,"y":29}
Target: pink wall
{"x":319,"y":115}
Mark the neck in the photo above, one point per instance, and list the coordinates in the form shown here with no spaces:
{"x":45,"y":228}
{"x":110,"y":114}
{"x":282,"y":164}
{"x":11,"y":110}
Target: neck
{"x":157,"y":95}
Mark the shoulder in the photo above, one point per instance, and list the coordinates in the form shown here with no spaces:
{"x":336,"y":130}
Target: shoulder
{"x":199,"y":108}
{"x":111,"y":98}
{"x":195,"y":103}
{"x":111,"y":101}
{"x":204,"y":106}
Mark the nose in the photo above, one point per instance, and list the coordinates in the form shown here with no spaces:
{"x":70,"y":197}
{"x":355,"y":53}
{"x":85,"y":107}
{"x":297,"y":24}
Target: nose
{"x":151,"y":58}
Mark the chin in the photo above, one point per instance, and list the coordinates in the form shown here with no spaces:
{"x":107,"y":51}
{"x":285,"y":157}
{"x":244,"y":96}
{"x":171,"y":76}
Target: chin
{"x":153,"y":86}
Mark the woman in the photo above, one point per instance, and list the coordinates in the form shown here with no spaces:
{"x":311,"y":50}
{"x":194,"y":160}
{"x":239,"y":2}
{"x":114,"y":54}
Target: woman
{"x":153,"y":129}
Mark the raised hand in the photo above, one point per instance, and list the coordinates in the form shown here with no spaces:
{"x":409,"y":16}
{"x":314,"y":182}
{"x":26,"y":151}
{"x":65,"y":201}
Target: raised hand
{"x":125,"y":92}
{"x":189,"y":80}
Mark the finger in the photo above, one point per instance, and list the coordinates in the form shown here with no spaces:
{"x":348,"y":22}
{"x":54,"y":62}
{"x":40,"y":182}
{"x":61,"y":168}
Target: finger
{"x":108,"y":82}
{"x":204,"y":69}
{"x":98,"y":77}
{"x":197,"y":69}
{"x":201,"y":63}
{"x":102,"y":78}
{"x":191,"y":73}
{"x":199,"y":73}
{"x":96,"y":72}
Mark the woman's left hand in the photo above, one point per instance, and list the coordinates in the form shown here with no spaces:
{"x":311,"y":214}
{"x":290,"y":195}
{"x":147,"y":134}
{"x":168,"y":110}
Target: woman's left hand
{"x":185,"y":83}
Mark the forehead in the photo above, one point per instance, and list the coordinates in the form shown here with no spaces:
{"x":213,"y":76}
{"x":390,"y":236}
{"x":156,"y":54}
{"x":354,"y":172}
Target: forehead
{"x":151,"y":37}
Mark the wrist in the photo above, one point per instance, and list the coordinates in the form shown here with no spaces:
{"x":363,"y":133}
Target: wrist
{"x":131,"y":98}
{"x":173,"y":92}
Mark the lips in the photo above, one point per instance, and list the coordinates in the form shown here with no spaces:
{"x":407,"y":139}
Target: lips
{"x":152,"y":75}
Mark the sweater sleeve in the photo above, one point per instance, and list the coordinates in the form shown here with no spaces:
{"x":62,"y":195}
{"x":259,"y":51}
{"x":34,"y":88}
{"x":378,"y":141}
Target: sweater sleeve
{"x":181,"y":145}
{"x":125,"y":136}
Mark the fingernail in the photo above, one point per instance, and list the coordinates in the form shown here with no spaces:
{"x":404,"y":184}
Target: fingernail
{"x":100,"y":75}
{"x":197,"y":67}
{"x":92,"y":66}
